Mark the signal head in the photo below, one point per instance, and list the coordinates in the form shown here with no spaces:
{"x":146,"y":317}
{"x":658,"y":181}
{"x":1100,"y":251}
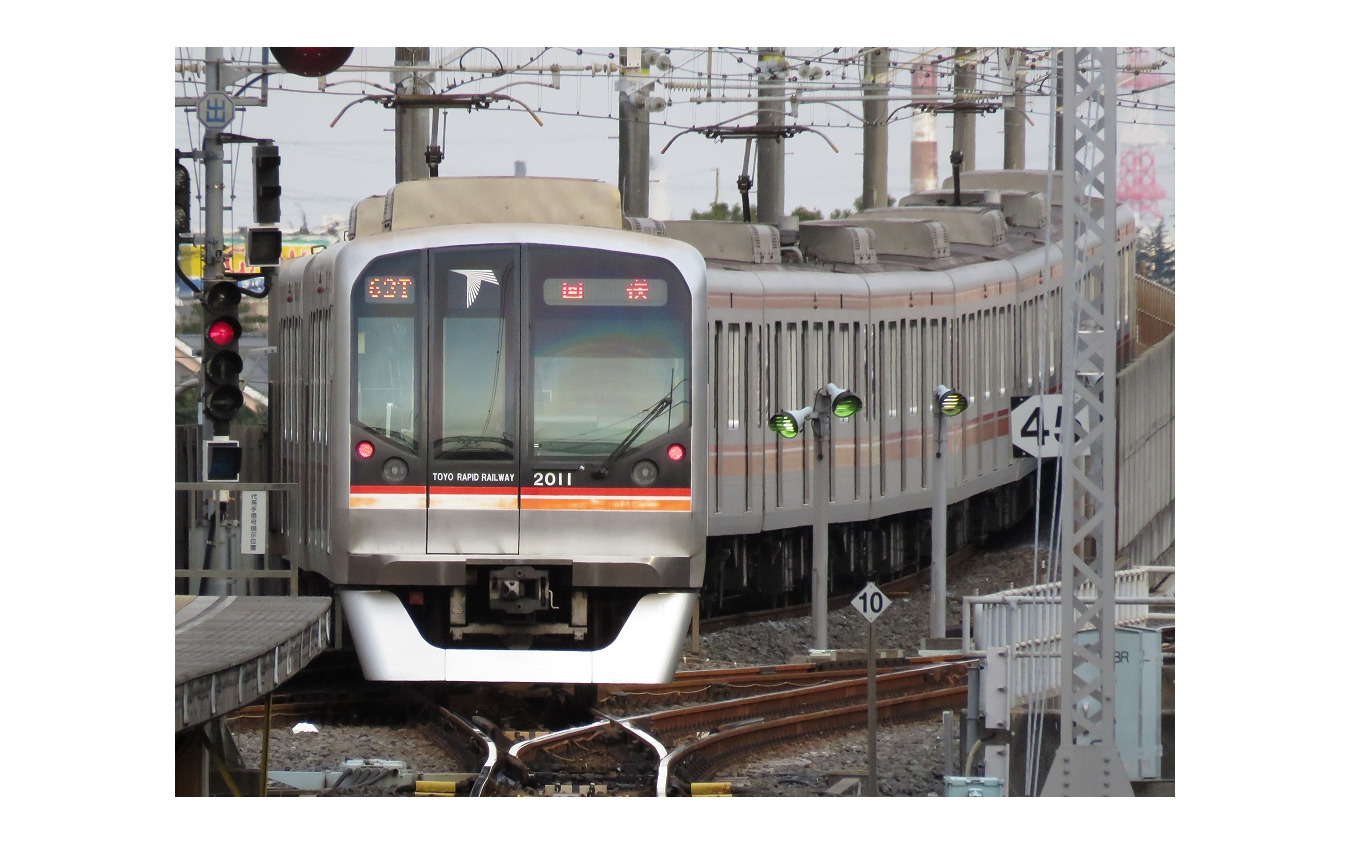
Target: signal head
{"x":221,"y":298}
{"x":222,"y":402}
{"x":789,"y":423}
{"x":311,"y":61}
{"x":950,"y":402}
{"x":223,"y":331}
{"x":843,"y":403}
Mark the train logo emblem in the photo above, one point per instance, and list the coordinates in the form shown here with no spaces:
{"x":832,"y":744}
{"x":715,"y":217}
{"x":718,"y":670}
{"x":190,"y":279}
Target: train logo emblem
{"x":474,"y":283}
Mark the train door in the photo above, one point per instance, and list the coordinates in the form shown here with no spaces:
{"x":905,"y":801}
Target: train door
{"x":473,"y":377}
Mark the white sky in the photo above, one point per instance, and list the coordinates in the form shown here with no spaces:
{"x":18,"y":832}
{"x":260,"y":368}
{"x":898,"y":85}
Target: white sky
{"x":327,"y":168}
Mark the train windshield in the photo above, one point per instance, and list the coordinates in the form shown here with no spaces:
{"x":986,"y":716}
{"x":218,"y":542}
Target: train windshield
{"x":386,"y":391}
{"x":609,"y":352}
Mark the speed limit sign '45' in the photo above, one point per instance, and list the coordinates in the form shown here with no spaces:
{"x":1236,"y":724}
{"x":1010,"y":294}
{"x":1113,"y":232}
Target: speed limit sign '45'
{"x":871,"y":602}
{"x":1036,"y":425}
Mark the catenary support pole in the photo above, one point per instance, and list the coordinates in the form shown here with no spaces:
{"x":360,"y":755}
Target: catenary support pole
{"x":963,"y":122}
{"x":634,"y":139}
{"x":1014,"y":116}
{"x":875,"y":129}
{"x":769,"y":196}
{"x":1088,"y":762}
{"x":412,"y":126}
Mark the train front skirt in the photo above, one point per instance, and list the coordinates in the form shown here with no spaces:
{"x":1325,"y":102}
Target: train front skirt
{"x":390,"y":648}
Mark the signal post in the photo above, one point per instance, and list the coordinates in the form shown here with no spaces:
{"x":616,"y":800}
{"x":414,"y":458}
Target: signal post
{"x":220,"y":393}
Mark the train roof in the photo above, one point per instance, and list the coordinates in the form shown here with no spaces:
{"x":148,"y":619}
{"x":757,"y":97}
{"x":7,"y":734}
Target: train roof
{"x":999,"y":215}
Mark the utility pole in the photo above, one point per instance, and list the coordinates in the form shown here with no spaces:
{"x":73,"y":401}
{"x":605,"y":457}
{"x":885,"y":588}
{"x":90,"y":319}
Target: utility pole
{"x":213,"y":224}
{"x":769,"y":198}
{"x":412,"y":125}
{"x":1014,"y":113}
{"x":219,"y":112}
{"x":875,"y":129}
{"x":963,"y":120}
{"x":1088,"y":762}
{"x":1059,"y":114}
{"x":634,"y":135}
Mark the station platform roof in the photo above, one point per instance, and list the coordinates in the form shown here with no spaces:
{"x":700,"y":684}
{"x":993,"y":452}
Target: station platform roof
{"x":230,"y":651}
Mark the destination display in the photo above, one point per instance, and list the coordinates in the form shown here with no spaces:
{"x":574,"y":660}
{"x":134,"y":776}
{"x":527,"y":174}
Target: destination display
{"x":624,"y":292}
{"x":390,"y":289}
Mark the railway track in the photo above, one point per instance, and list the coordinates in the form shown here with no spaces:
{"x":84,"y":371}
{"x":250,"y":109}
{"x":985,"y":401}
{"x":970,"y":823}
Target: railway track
{"x":723,"y":714}
{"x":667,"y":753}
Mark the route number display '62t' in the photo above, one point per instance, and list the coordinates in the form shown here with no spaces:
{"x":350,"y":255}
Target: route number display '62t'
{"x":1035,"y":422}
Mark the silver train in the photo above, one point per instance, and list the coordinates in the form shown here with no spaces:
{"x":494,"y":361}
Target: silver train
{"x":529,"y":436}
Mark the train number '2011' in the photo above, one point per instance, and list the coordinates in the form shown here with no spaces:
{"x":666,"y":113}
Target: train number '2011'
{"x":552,"y":478}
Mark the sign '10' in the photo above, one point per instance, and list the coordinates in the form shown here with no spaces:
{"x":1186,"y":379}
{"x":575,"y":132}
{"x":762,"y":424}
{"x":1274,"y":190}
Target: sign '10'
{"x":871,"y":602}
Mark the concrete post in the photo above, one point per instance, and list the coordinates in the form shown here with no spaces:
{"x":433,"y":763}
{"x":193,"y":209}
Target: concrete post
{"x":1014,"y":118}
{"x":963,"y":122}
{"x":412,"y":126}
{"x":875,"y":129}
{"x":770,"y":162}
{"x":634,"y":148}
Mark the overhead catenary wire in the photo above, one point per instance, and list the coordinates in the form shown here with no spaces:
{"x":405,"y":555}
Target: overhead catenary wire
{"x":680,"y":79}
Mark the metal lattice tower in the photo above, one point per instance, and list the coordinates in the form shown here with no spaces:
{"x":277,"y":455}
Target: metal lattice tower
{"x":1088,"y":762}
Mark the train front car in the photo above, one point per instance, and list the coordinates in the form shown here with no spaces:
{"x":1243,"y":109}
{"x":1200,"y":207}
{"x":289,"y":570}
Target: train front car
{"x":520,"y":477}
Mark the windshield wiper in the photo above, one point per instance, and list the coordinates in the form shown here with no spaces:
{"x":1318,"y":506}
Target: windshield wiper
{"x":657,"y":409}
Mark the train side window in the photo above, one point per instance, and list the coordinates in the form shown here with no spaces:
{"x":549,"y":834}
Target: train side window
{"x":734,"y":376}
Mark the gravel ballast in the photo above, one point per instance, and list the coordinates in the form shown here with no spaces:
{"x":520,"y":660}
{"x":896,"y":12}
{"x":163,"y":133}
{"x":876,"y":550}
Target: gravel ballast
{"x":909,"y":756}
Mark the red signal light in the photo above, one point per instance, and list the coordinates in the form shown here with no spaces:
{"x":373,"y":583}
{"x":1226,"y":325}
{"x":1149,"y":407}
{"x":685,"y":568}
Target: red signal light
{"x":223,"y":332}
{"x":675,"y":452}
{"x":365,"y":450}
{"x":311,"y":61}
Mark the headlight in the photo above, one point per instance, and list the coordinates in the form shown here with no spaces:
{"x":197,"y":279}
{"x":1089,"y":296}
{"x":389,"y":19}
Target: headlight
{"x":394,"y":470}
{"x":645,"y":473}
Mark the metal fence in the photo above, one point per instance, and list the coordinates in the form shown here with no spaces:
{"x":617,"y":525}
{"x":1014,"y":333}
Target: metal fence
{"x":1155,"y":313}
{"x":1018,"y":632}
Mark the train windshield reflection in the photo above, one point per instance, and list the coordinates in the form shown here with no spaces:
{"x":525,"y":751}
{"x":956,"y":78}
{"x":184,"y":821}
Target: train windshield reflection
{"x":596,"y":379}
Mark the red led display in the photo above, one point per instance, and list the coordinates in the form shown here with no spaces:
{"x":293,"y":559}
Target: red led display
{"x":630,"y":292}
{"x":389,"y":289}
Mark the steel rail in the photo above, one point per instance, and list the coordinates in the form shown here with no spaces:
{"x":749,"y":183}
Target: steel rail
{"x":914,"y":683}
{"x":480,"y":738}
{"x":700,"y":758}
{"x":717,"y":715}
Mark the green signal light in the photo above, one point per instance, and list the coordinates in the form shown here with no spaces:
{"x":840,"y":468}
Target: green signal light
{"x":789,"y":423}
{"x":847,"y":405}
{"x":950,"y":402}
{"x":843,"y":403}
{"x":784,"y":424}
